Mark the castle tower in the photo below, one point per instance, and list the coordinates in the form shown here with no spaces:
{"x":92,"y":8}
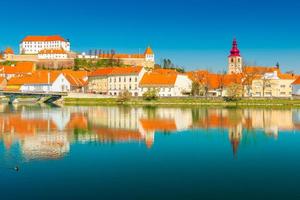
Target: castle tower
{"x":235,"y":61}
{"x":149,"y":58}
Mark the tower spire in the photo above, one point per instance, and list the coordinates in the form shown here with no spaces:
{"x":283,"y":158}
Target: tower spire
{"x":234,"y":51}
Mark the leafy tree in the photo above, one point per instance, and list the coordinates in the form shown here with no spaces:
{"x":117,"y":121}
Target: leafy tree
{"x":234,"y":92}
{"x":124,"y":96}
{"x":150,"y":95}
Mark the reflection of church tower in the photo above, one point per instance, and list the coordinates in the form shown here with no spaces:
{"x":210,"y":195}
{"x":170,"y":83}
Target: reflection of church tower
{"x":149,"y":139}
{"x":235,"y":136}
{"x":235,"y":61}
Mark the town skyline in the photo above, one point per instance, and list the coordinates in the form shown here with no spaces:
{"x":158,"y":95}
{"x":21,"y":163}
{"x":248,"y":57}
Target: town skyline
{"x":198,"y":37}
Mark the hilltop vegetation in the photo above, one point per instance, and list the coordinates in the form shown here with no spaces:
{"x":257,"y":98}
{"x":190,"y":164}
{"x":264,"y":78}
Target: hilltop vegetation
{"x":93,"y":64}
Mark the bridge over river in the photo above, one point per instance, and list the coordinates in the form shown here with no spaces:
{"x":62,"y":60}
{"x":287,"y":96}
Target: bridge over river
{"x":50,"y":97}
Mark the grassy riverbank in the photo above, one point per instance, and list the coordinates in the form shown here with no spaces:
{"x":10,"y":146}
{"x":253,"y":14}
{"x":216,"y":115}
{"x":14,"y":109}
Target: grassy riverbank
{"x":186,"y":102}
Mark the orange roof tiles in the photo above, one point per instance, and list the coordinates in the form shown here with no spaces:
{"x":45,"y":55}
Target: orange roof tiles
{"x":158,"y":79}
{"x":297,"y":81}
{"x":126,"y":70}
{"x":148,"y":51}
{"x":20,"y":68}
{"x":38,"y":77}
{"x":260,"y":69}
{"x":102,"y":71}
{"x":9,"y":51}
{"x":287,"y":76}
{"x":43,"y":38}
{"x":44,"y":77}
{"x":158,"y":124}
{"x":215,"y":81}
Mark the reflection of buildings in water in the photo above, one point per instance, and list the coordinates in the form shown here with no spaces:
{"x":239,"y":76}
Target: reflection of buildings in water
{"x":235,"y":136}
{"x":133,"y":124}
{"x":45,"y":146}
{"x":271,"y":121}
{"x":137,"y":124}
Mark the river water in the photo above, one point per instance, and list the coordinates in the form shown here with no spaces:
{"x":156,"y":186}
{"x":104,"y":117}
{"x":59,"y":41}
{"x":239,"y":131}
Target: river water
{"x":148,"y":153}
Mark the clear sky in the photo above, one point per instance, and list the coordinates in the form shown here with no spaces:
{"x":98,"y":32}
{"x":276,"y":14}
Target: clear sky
{"x":193,"y":33}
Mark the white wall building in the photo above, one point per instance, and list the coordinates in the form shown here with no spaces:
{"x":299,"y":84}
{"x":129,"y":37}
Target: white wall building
{"x":166,"y":85}
{"x":125,"y":79}
{"x":56,"y":54}
{"x":34,"y":44}
{"x":48,"y":82}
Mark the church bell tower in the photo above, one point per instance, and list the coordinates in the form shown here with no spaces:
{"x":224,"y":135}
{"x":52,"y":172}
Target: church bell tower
{"x":235,"y":61}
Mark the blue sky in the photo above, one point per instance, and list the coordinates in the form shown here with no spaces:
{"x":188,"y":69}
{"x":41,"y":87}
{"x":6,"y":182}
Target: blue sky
{"x":193,"y":33}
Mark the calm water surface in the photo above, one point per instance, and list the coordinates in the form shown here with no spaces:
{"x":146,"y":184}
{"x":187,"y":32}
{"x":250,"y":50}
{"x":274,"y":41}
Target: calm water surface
{"x":149,"y":153}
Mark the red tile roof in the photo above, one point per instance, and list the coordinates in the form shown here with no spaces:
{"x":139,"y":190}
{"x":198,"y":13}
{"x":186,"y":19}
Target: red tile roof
{"x":102,"y":71}
{"x":38,"y":77}
{"x":20,"y":68}
{"x":9,"y":51}
{"x":126,"y":70}
{"x":260,"y":69}
{"x":297,"y":81}
{"x":43,"y":38}
{"x":149,"y":51}
{"x":158,"y":79}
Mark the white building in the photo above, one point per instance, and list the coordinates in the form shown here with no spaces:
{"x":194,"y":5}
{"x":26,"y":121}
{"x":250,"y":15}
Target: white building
{"x":125,"y":79}
{"x":57,"y":54}
{"x":166,"y":85}
{"x":46,"y":82}
{"x":34,"y":44}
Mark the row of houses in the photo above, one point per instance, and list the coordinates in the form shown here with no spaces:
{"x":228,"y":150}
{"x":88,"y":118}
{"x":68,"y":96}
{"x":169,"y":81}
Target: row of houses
{"x":137,"y":80}
{"x":24,"y":77}
{"x":254,"y":81}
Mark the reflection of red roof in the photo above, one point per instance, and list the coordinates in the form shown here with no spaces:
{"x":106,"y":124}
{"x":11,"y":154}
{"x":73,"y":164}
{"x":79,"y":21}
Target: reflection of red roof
{"x":109,"y":135}
{"x":158,"y":124}
{"x":77,"y":120}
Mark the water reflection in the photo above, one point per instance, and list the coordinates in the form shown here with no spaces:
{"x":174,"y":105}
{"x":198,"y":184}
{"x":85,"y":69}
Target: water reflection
{"x":47,"y":133}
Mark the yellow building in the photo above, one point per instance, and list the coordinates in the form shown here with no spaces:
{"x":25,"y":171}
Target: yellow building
{"x":273,"y":84}
{"x":98,"y":81}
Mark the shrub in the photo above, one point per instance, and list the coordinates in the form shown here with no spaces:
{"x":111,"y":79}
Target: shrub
{"x":150,"y":95}
{"x":124,"y":96}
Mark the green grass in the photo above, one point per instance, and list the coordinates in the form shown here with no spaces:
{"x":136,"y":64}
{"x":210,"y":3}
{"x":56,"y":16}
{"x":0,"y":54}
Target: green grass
{"x":187,"y":102}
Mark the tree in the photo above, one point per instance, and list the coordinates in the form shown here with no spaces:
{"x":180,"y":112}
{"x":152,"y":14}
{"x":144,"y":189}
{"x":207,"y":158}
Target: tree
{"x":150,"y":94}
{"x":195,"y":88}
{"x":234,"y":92}
{"x":124,"y":96}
